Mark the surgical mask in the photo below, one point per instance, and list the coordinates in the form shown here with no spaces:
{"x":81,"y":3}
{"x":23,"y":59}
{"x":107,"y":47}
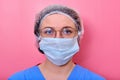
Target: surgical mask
{"x":59,"y":50}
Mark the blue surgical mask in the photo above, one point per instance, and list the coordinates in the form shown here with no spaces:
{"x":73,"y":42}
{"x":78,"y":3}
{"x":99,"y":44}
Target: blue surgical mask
{"x":59,"y":50}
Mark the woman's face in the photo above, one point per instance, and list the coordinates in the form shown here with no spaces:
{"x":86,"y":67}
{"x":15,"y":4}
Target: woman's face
{"x":57,"y":26}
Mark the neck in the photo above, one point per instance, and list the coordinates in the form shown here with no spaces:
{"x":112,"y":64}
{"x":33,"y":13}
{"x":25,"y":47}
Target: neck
{"x":52,"y":68}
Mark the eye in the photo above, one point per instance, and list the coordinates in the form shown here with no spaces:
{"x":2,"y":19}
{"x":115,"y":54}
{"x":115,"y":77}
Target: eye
{"x":47,"y":31}
{"x":67,"y":31}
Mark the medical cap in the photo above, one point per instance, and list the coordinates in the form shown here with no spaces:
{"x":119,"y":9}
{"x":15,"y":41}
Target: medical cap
{"x":59,"y":9}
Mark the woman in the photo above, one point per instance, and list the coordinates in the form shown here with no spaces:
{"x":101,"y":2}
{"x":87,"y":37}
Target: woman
{"x":58,"y":30}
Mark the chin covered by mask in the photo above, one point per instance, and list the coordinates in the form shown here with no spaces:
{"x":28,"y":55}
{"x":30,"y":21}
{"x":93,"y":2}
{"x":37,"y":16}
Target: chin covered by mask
{"x":59,"y":50}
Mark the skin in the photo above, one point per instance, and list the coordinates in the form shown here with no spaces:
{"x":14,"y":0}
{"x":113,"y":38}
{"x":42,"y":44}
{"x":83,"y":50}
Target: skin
{"x":49,"y":70}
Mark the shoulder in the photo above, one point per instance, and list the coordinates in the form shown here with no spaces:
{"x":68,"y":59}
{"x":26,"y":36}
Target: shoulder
{"x":87,"y":74}
{"x":22,"y":75}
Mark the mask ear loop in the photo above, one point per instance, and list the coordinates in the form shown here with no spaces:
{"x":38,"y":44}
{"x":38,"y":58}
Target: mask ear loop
{"x":39,"y":39}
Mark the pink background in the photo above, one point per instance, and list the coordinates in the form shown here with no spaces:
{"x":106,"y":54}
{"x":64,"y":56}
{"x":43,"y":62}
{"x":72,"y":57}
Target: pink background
{"x":100,"y":46}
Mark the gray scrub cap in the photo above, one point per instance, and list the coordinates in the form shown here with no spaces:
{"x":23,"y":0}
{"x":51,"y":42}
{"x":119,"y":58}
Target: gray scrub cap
{"x":58,"y":9}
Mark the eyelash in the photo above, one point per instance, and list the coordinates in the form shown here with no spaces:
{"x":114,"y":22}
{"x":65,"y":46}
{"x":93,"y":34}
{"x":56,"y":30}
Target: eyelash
{"x":67,"y":31}
{"x":48,"y":31}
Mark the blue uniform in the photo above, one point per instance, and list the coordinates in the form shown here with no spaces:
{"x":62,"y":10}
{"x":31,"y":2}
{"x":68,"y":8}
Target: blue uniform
{"x":78,"y":73}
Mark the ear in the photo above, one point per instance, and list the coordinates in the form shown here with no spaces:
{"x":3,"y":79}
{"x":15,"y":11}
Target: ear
{"x":78,"y":39}
{"x":37,"y":44}
{"x":82,"y":29}
{"x":81,"y":33}
{"x":37,"y":40}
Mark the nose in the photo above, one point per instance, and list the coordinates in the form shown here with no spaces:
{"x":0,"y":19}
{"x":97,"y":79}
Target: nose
{"x":58,"y":34}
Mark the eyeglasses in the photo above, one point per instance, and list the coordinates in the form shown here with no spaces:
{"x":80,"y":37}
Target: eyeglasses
{"x":65,"y":32}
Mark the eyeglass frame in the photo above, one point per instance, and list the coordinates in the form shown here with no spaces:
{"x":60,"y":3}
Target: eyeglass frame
{"x":60,"y":31}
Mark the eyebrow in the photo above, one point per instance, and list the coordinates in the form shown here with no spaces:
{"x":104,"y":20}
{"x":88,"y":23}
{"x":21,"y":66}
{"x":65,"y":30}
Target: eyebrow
{"x":54,"y":27}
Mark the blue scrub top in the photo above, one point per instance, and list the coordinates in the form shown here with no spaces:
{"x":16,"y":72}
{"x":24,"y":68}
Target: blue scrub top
{"x":34,"y":73}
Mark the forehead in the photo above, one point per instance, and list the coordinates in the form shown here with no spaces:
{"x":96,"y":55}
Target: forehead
{"x":57,"y":21}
